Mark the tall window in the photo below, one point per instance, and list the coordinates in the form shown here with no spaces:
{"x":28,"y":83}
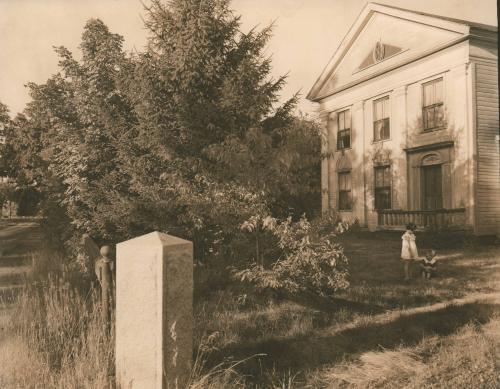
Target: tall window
{"x":345,"y":191}
{"x":382,"y":187}
{"x":432,"y":111}
{"x":344,"y":130}
{"x":381,"y":122}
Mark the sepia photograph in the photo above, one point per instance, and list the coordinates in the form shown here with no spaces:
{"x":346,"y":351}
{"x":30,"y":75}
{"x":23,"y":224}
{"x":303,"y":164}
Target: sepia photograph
{"x":249,"y":194}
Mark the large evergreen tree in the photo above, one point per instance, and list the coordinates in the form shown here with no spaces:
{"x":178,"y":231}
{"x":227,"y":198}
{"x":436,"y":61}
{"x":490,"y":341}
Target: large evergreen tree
{"x":187,"y":136}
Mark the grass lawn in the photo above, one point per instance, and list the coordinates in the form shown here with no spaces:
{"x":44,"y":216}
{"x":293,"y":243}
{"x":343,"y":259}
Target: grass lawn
{"x":377,"y":271}
{"x":382,"y":332}
{"x":380,"y":313}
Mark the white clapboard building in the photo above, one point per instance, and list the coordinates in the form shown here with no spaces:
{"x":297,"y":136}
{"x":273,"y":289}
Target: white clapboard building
{"x":409,"y":108}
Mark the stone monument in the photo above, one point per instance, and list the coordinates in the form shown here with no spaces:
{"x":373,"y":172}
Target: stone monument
{"x":154,"y":312}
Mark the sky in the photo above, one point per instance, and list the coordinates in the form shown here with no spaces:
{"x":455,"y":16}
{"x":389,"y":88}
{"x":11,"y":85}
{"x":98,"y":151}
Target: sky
{"x":306,"y":34}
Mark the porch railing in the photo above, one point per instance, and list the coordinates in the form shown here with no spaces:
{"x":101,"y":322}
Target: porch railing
{"x":435,"y":219}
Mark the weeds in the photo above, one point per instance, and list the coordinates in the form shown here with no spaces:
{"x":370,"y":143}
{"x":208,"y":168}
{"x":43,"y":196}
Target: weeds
{"x":61,"y":331}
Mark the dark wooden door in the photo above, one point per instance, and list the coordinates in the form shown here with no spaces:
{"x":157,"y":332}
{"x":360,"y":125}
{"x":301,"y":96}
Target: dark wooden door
{"x":432,"y":187}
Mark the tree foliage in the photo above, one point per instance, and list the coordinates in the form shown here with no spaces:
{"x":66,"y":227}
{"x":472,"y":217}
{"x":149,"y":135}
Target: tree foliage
{"x":187,"y":136}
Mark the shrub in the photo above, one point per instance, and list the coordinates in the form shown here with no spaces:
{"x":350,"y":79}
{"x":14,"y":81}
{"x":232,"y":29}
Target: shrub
{"x":309,"y":261}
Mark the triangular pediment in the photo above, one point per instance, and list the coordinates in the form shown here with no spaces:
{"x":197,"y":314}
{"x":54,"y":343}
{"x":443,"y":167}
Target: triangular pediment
{"x":383,"y":38}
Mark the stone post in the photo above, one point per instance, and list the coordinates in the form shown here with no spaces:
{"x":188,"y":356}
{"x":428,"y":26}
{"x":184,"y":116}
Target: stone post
{"x":154,"y":312}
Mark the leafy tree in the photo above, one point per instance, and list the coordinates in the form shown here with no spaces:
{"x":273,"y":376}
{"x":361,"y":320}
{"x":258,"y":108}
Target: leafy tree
{"x":205,"y":105}
{"x":186,"y":137}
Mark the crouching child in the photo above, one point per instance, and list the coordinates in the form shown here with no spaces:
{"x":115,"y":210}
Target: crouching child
{"x":428,"y":264}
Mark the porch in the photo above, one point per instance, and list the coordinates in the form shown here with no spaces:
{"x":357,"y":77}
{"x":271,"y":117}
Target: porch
{"x":437,"y":219}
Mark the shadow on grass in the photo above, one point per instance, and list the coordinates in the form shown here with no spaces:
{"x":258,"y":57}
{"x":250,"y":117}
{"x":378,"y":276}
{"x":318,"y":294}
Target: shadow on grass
{"x":309,"y":352}
{"x":331,"y":305}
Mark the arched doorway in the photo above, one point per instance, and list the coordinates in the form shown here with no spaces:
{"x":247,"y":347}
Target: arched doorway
{"x":432,"y":182}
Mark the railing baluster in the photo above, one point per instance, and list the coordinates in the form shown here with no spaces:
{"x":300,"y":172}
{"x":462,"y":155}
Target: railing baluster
{"x":435,"y":220}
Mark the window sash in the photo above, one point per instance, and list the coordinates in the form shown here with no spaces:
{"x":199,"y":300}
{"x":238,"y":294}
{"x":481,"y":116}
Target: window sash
{"x":433,"y":116}
{"x":433,"y":92}
{"x":344,"y":139}
{"x":432,"y":110}
{"x":383,"y":187}
{"x":344,"y":180}
{"x":344,"y":120}
{"x":344,"y":130}
{"x":381,"y":108}
{"x":381,"y":129}
{"x":383,"y":197}
{"x":345,"y":200}
{"x":382,"y":176}
{"x":341,"y":121}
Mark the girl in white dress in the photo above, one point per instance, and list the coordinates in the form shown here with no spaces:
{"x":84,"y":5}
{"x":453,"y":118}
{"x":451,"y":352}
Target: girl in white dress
{"x":409,"y":251}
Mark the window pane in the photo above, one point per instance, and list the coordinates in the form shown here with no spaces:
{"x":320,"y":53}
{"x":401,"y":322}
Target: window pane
{"x":438,"y":115}
{"x":378,"y":110}
{"x":344,"y":181}
{"x":381,"y":108}
{"x":386,"y":109}
{"x":347,"y":139}
{"x":433,"y":92}
{"x":427,"y":94}
{"x":387,"y":176}
{"x":345,"y":200}
{"x":385,"y":133}
{"x":379,"y":177}
{"x":344,"y":139}
{"x":382,"y":176}
{"x":383,"y":187}
{"x":429,"y":118}
{"x":377,"y":130}
{"x":438,"y":91}
{"x":381,"y":119}
{"x":383,"y":198}
{"x":341,"y":121}
{"x":342,"y":200}
{"x":347,"y":121}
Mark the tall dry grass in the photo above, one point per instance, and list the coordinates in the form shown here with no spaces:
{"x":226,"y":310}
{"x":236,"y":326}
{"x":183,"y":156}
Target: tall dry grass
{"x":466,"y":359}
{"x":59,"y":332}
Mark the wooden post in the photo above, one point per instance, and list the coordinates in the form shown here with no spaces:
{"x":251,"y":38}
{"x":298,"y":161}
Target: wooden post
{"x":104,"y":272}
